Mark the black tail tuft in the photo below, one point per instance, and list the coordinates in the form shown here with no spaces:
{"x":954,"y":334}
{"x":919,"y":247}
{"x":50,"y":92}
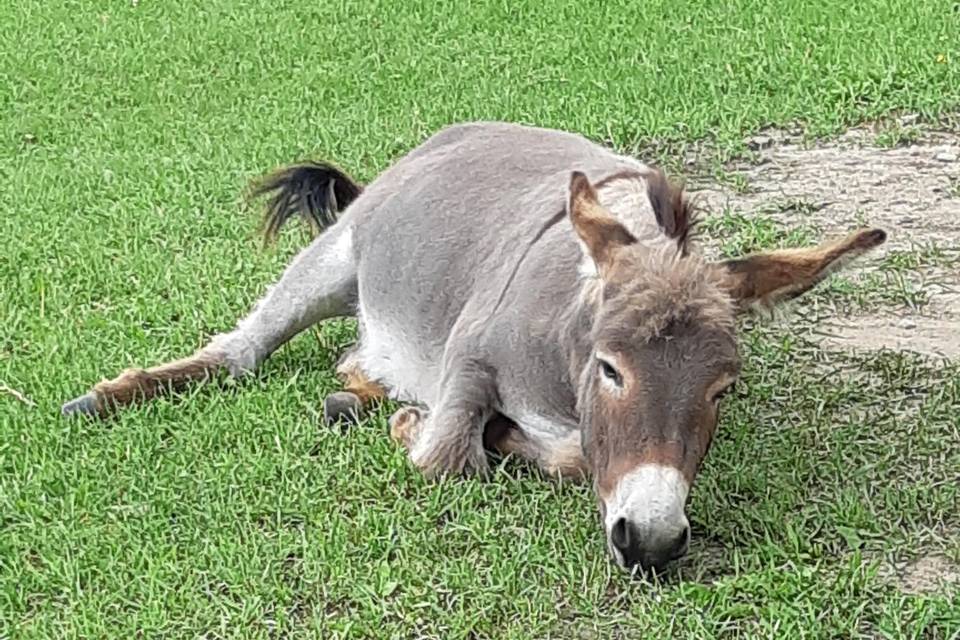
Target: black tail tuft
{"x":316,"y":191}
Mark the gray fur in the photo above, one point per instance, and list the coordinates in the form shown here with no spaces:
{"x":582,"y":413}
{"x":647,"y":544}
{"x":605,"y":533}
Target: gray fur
{"x":434,"y":241}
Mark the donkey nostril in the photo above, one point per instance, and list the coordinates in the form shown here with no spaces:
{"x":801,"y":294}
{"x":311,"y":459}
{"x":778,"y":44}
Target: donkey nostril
{"x":620,"y":534}
{"x":679,"y":545}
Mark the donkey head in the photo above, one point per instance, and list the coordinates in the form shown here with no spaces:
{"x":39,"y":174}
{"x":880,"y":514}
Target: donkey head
{"x":662,"y":354}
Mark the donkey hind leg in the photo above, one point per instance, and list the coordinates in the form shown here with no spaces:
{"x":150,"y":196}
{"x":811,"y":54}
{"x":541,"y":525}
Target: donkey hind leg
{"x":559,"y":456}
{"x":359,"y":391}
{"x":449,"y":440}
{"x":321,"y":282}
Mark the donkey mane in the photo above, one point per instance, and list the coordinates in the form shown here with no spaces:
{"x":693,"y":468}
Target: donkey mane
{"x":672,"y":290}
{"x":676,"y":213}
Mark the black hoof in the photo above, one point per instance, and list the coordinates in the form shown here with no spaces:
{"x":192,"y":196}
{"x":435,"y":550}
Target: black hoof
{"x":342,"y":406}
{"x":85,"y":405}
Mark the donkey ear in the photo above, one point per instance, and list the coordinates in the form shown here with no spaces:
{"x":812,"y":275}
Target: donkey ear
{"x":599,"y":231}
{"x":769,"y":278}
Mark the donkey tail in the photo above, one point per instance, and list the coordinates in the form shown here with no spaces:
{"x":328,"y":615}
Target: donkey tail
{"x":316,"y":191}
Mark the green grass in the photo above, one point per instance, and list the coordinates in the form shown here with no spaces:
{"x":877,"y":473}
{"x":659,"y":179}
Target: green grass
{"x":127,"y":132}
{"x":894,"y":134}
{"x":954,"y":189}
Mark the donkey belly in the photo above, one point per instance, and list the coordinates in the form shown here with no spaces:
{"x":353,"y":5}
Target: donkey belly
{"x":386,"y":353}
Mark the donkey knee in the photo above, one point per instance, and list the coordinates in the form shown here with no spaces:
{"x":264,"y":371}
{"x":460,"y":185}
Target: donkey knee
{"x":454,"y":447}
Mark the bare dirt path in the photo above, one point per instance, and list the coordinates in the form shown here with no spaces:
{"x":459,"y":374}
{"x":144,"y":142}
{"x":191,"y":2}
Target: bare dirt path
{"x":912,"y":191}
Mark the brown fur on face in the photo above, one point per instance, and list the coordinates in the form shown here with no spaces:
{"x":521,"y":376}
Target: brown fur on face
{"x":669,"y":329}
{"x":665,"y":326}
{"x":666,"y":320}
{"x":648,"y":291}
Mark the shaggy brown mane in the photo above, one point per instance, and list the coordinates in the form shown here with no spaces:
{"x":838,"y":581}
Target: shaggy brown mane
{"x":656,"y":290}
{"x":675,"y":212}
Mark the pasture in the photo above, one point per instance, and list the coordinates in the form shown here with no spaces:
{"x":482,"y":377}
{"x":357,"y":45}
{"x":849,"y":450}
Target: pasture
{"x":829,"y":505}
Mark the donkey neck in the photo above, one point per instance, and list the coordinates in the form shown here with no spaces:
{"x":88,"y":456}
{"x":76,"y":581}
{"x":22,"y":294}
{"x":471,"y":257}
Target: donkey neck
{"x":576,"y":327}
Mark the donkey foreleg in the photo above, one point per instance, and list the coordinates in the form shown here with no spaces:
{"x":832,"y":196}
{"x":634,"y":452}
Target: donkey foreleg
{"x":450,"y":439}
{"x":405,"y":425}
{"x":561,"y":455}
{"x":321,"y":282}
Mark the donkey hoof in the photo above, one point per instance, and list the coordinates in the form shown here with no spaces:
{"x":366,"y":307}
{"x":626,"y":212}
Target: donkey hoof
{"x":85,"y":405}
{"x":405,"y":425}
{"x":341,"y":406}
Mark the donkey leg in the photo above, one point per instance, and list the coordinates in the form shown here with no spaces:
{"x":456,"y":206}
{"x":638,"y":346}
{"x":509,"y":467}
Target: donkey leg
{"x":450,"y":439}
{"x":136,"y":385}
{"x":561,"y":456}
{"x":405,"y":425}
{"x":321,"y":282}
{"x":359,"y":392}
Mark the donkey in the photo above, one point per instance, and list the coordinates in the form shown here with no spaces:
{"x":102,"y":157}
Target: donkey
{"x":521,"y":290}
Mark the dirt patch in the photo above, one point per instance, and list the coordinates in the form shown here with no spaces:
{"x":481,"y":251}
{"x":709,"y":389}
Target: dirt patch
{"x":931,"y":337}
{"x":911,"y":191}
{"x":929,"y":574}
{"x":707,"y":561}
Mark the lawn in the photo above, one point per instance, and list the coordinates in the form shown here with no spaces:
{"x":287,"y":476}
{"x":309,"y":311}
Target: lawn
{"x":129,"y":130}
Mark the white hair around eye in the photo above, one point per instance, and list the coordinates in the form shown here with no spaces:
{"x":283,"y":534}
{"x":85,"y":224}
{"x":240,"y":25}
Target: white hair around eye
{"x":608,"y":369}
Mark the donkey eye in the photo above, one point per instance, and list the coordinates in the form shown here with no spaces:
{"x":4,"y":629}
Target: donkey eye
{"x":610,"y":373}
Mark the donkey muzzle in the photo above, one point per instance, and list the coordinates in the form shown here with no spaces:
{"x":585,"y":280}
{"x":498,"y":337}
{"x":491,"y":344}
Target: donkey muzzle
{"x":651,"y":552}
{"x":645,"y":521}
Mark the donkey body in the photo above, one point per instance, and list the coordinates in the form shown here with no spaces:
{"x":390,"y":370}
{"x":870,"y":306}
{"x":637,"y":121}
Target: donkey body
{"x":468,"y":302}
{"x":527,"y":284}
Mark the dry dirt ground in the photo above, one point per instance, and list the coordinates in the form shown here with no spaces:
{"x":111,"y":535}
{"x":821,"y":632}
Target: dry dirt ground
{"x":911,"y":190}
{"x":926,"y":574}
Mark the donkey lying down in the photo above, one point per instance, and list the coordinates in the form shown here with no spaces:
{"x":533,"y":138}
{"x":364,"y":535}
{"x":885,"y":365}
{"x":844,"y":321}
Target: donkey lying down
{"x":523,"y":289}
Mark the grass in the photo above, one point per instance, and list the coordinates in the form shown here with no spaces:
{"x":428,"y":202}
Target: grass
{"x":902,"y":279}
{"x":128,"y":130}
{"x":954,"y":189}
{"x":895,"y":134}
